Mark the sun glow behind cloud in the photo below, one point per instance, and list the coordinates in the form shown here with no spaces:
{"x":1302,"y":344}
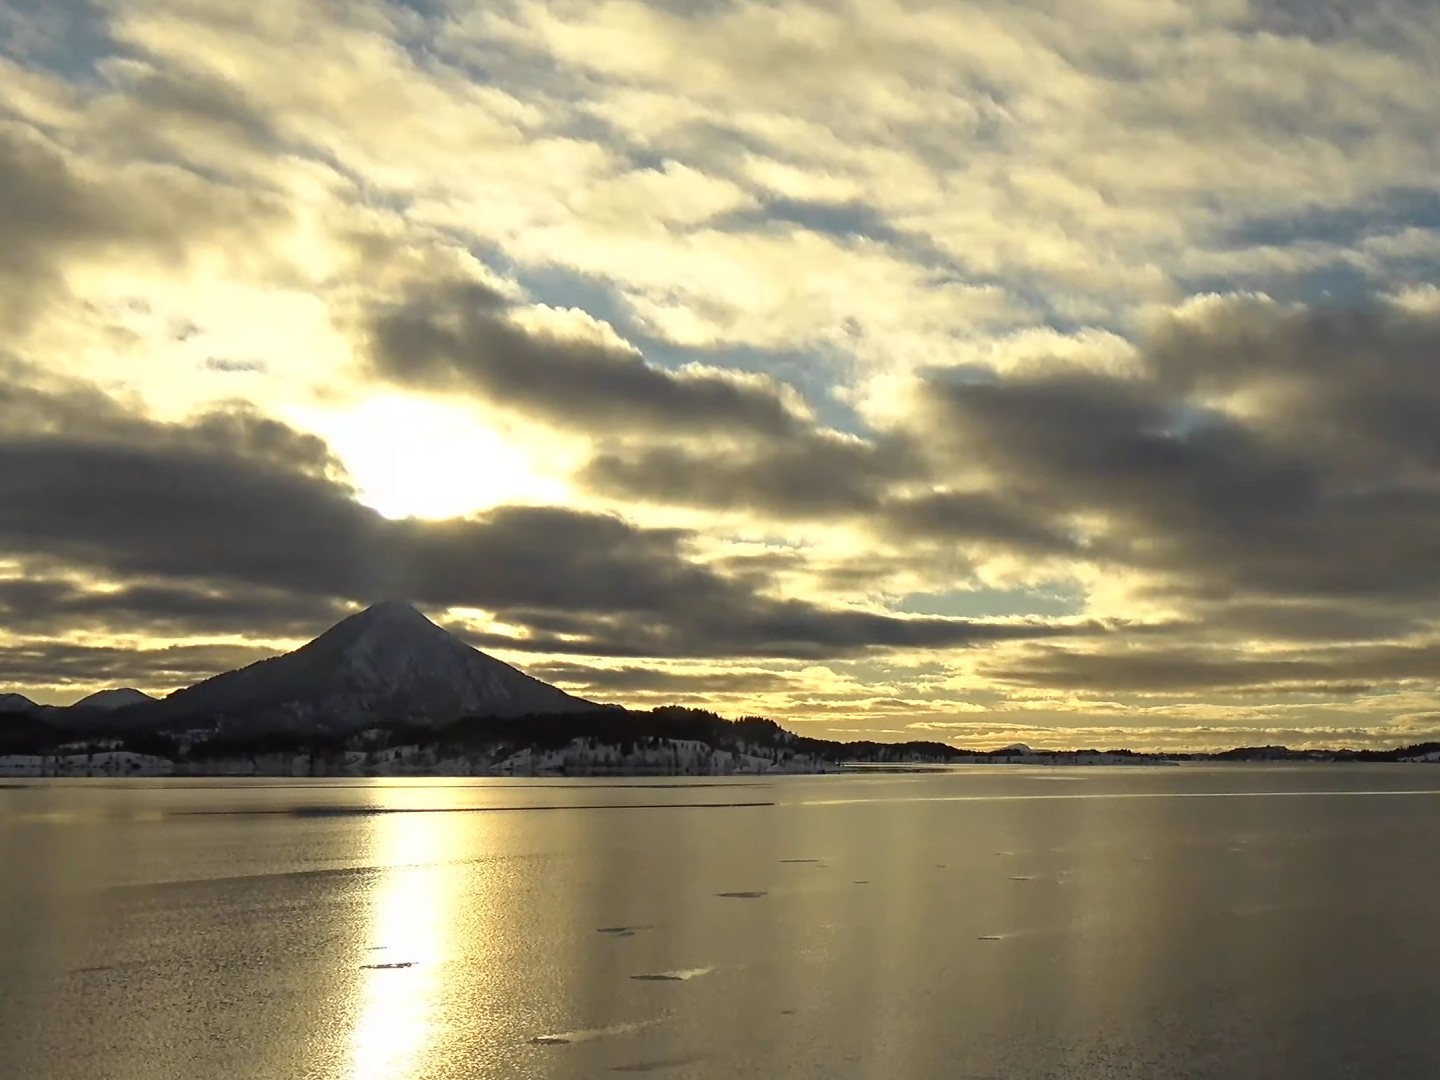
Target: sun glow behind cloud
{"x":414,"y":457}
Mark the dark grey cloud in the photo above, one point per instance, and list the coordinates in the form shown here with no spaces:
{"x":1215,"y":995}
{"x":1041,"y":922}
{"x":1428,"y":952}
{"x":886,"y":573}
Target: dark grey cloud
{"x":53,"y":663}
{"x":811,"y":474}
{"x":1299,"y":621}
{"x":1352,"y":390}
{"x":1391,"y":25}
{"x":38,"y":606}
{"x":233,"y":496}
{"x":606,"y":588}
{"x":1086,"y":442}
{"x":649,"y":680}
{"x":980,"y":516}
{"x":1325,"y":484}
{"x":460,"y":335}
{"x":233,"y":500}
{"x":1189,"y":669}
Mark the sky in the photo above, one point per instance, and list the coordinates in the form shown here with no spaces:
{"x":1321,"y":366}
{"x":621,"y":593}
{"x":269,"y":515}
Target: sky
{"x":971,"y":371}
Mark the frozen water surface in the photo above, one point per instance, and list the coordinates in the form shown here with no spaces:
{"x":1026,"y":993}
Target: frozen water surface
{"x":1191,"y":922}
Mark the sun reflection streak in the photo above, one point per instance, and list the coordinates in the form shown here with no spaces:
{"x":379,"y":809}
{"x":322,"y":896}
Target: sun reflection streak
{"x":413,"y":913}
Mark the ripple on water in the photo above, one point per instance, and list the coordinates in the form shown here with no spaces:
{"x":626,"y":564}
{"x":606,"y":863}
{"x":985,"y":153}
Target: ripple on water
{"x":657,"y":1064}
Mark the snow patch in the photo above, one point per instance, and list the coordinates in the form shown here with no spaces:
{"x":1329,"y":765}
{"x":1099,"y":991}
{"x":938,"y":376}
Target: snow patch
{"x":683,"y":975}
{"x":564,"y":1038}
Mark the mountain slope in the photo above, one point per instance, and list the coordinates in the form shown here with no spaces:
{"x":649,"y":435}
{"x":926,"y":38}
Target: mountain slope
{"x":120,"y":698}
{"x":387,"y":663}
{"x":16,"y":703}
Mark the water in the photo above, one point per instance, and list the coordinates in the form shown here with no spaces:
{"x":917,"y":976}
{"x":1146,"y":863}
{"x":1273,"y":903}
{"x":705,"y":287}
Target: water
{"x":990,"y":922}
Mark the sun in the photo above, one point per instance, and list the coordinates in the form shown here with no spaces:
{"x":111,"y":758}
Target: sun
{"x":412,"y":457}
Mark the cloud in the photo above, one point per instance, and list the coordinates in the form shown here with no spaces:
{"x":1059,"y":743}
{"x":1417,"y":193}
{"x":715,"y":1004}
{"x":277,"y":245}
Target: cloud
{"x":967,"y":234}
{"x":802,"y":473}
{"x":46,"y":211}
{"x":58,"y":209}
{"x":64,"y":665}
{"x":42,"y":606}
{"x":1065,"y":157}
{"x":230,"y":499}
{"x":160,"y":111}
{"x":985,"y":516}
{"x":460,"y":335}
{"x":820,"y":476}
{"x":232,"y":367}
{"x":650,"y":680}
{"x":1193,"y":669}
{"x":1260,"y":450}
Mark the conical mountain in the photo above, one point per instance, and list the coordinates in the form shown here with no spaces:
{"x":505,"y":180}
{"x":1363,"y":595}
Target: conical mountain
{"x":387,"y":663}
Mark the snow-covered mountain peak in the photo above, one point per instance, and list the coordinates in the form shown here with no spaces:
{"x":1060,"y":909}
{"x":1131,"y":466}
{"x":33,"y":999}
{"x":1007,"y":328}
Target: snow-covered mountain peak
{"x":391,"y":642}
{"x":395,"y":615}
{"x":386,"y":662}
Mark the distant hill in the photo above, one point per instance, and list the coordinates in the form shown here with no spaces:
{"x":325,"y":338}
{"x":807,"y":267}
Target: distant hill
{"x":16,"y":703}
{"x":120,"y":698}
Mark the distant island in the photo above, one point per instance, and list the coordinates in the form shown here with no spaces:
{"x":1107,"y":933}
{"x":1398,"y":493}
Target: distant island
{"x":386,"y":692}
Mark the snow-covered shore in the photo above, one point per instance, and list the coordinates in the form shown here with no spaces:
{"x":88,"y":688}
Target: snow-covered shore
{"x":581,"y":757}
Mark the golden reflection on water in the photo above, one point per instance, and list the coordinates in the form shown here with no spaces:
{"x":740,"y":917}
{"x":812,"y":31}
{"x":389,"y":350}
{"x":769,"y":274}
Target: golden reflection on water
{"x":413,"y":916}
